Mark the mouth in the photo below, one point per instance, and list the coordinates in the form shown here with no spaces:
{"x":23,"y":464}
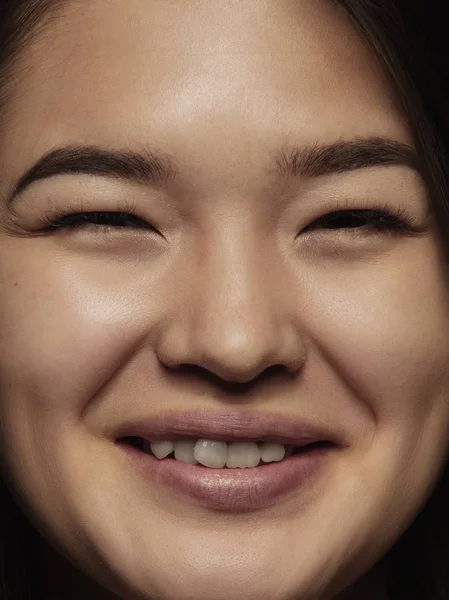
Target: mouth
{"x":220,"y":454}
{"x":232,"y":462}
{"x":218,"y":439}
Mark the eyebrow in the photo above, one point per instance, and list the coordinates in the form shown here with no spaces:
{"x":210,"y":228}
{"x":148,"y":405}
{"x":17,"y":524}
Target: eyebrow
{"x":158,"y":168}
{"x":148,"y":167}
{"x":344,"y":156}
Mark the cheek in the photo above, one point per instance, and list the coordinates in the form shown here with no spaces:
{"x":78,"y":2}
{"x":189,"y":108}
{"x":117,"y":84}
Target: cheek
{"x":383,"y":327}
{"x":67,"y":325}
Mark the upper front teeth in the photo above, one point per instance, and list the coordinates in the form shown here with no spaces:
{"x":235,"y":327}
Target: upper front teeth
{"x":215,"y":454}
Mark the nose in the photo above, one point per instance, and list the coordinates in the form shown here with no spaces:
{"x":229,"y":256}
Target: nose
{"x":235,"y":320}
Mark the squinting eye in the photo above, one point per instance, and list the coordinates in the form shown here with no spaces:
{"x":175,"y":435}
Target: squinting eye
{"x":374,"y":221}
{"x":369,"y":220}
{"x":97,"y":220}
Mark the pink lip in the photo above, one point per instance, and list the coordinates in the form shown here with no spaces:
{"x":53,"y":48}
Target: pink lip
{"x":227,"y":426}
{"x":232,"y":489}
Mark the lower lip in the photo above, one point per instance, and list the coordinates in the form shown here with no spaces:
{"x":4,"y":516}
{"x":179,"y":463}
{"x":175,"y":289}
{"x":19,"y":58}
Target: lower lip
{"x":235,"y":490}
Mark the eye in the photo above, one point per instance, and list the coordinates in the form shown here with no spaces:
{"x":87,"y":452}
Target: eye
{"x":106,"y":221}
{"x":365,"y":220}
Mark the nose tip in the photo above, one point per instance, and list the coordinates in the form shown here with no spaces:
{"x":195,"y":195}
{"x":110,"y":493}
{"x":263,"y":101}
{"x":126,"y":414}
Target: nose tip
{"x":241,"y":358}
{"x":235,"y":320}
{"x":239,"y":353}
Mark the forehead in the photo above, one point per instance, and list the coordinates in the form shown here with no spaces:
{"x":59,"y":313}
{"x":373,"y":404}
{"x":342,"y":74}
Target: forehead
{"x":253,"y":75}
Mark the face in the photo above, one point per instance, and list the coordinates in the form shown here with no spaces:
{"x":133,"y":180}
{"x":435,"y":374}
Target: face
{"x":234,"y":300}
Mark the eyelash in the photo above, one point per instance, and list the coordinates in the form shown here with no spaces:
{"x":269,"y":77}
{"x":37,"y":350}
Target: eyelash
{"x":376,"y":221}
{"x":91,"y":219}
{"x":373,"y":220}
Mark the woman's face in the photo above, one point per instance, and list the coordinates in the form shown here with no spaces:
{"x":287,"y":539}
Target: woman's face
{"x":232,"y":302}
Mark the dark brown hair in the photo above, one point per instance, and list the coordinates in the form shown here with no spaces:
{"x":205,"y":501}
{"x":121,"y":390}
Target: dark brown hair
{"x":409,"y":45}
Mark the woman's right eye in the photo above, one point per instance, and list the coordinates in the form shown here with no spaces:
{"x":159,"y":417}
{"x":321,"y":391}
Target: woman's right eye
{"x":104,"y":221}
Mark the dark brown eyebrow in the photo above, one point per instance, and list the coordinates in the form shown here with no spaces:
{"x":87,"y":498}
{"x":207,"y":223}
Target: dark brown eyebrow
{"x":151,"y":167}
{"x":145,"y":167}
{"x":344,"y":156}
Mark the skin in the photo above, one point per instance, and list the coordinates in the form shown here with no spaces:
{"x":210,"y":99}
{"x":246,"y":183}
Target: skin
{"x":91,"y":320}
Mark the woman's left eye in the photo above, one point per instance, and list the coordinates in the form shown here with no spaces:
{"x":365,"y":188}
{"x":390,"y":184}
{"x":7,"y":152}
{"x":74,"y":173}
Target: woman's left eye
{"x":369,"y":220}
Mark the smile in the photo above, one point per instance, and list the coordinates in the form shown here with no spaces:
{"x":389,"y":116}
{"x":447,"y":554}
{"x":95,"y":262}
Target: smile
{"x":229,"y":462}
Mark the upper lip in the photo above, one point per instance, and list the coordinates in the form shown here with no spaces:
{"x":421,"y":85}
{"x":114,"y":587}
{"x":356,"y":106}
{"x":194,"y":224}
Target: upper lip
{"x":229,"y":426}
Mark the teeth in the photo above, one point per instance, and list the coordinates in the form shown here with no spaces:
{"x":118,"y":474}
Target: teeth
{"x":243,"y":455}
{"x":271,"y":452}
{"x":162,"y":449}
{"x":211,"y":453}
{"x":184,"y":451}
{"x":216,"y":454}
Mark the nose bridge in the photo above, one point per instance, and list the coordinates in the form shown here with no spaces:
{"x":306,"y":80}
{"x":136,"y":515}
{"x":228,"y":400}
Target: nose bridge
{"x":235,"y":325}
{"x":234,"y":331}
{"x":237,"y":289}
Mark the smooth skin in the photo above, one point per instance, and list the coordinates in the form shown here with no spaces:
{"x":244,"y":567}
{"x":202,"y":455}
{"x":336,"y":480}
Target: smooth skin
{"x":216,"y":271}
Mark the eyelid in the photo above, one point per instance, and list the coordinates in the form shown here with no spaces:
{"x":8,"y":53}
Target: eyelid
{"x":401,"y":211}
{"x":411,"y":221}
{"x":126,"y":206}
{"x":328,"y":205}
{"x":61,"y":210}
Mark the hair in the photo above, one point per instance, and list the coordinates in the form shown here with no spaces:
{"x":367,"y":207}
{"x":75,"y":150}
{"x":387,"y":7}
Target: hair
{"x":407,"y":43}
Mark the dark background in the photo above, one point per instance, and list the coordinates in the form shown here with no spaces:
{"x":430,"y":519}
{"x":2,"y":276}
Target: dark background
{"x":429,"y":21}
